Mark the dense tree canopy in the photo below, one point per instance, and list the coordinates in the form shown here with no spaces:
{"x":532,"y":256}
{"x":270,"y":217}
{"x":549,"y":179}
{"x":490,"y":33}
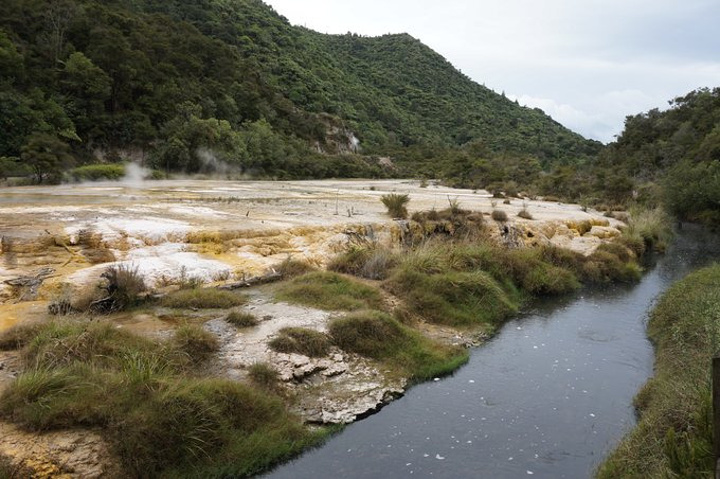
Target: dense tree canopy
{"x":233,"y":82}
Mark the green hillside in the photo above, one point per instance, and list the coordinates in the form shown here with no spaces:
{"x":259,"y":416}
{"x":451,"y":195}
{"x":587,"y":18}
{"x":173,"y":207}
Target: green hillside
{"x":677,"y":149}
{"x":185,"y":86}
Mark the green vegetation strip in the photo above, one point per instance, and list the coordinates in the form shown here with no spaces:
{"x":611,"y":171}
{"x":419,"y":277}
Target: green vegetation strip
{"x":330,"y":291}
{"x":673,"y":437}
{"x":160,"y":420}
{"x":379,"y":336}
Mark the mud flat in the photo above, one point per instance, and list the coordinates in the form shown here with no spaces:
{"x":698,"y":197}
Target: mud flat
{"x":56,"y":242}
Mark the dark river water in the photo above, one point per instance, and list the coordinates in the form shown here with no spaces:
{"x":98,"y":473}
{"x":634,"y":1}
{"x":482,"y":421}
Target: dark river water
{"x":548,"y":397}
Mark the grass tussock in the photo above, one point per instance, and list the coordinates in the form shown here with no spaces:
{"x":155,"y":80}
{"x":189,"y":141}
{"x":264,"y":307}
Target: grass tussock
{"x":307,"y":342}
{"x":453,"y":223}
{"x":242,"y":319}
{"x":453,"y":298}
{"x":499,"y":215}
{"x":159,"y":421}
{"x":195,"y":343}
{"x":525,"y":214}
{"x":396,"y":205}
{"x":330,"y":291}
{"x":290,"y":268}
{"x":264,"y":376}
{"x":673,"y":437}
{"x":203,"y":298}
{"x":123,"y":286}
{"x":648,"y":229}
{"x":379,"y":336}
{"x":365,"y":261}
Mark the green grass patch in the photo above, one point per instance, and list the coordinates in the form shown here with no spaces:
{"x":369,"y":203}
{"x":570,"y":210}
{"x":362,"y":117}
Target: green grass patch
{"x":673,"y":437}
{"x":203,"y":298}
{"x":301,"y":341}
{"x":195,"y":343}
{"x":454,"y":298}
{"x":242,"y":319}
{"x":379,"y":336}
{"x":159,"y":421}
{"x":329,"y":291}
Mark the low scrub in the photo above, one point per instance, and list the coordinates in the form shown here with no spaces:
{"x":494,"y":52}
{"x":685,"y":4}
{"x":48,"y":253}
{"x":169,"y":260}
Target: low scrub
{"x":329,"y":291}
{"x":307,"y":342}
{"x":673,"y":437}
{"x":378,"y":336}
{"x":159,"y":422}
{"x":203,"y":298}
{"x":242,"y":319}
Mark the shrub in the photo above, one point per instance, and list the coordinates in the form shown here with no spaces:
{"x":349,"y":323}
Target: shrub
{"x":203,"y":298}
{"x":329,"y":291}
{"x":396,"y":204}
{"x":242,"y":319}
{"x":301,"y":341}
{"x":123,"y":286}
{"x":499,"y":216}
{"x":378,"y":336}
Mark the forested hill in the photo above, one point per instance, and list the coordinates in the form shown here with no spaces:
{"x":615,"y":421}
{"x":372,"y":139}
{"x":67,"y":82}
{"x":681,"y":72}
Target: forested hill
{"x":185,"y":84}
{"x":678,"y":149}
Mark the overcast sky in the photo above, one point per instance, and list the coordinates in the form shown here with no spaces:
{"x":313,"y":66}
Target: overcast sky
{"x":587,"y":63}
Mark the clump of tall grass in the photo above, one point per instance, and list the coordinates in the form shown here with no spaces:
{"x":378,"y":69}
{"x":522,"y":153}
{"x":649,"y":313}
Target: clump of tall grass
{"x":203,"y":298}
{"x":159,"y":421}
{"x":307,"y":342}
{"x":379,"y":336}
{"x":264,"y":375}
{"x":673,"y":437}
{"x":525,"y":214}
{"x":242,"y":319}
{"x":366,"y":261}
{"x":329,"y":291}
{"x":195,"y":343}
{"x":650,"y":228}
{"x":123,"y":286}
{"x":396,"y":204}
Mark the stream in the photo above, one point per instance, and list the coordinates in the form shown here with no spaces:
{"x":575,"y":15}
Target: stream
{"x":548,"y":397}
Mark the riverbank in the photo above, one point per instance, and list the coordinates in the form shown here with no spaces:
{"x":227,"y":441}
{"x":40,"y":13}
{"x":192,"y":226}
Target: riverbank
{"x":420,"y":306}
{"x":673,"y":437}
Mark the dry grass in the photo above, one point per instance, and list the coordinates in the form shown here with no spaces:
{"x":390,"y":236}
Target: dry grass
{"x":307,"y":342}
{"x":242,"y":319}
